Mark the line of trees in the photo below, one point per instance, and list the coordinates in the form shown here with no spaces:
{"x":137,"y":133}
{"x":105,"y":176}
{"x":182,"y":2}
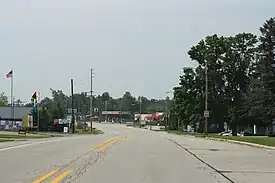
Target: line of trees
{"x":241,"y":81}
{"x":57,"y":106}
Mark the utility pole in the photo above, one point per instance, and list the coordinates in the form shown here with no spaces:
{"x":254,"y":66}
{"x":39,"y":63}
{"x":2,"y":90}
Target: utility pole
{"x":106,"y":108}
{"x":91,"y":102}
{"x":152,"y":119}
{"x":140,"y":112}
{"x":166,"y":111}
{"x":206,"y":112}
{"x":120,"y":115}
{"x":73,"y":118}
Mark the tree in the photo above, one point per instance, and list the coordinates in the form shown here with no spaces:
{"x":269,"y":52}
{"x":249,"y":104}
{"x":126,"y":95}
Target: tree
{"x":210,"y":51}
{"x":129,"y":103}
{"x":238,"y":59}
{"x":3,"y":100}
{"x":18,"y":103}
{"x":262,"y":93}
{"x":186,"y":103}
{"x":61,"y":104}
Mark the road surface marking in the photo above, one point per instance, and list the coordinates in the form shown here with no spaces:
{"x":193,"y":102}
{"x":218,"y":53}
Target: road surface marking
{"x":61,"y":176}
{"x":100,"y":145}
{"x":103,"y":148}
{"x":44,"y":177}
{"x":35,"y":143}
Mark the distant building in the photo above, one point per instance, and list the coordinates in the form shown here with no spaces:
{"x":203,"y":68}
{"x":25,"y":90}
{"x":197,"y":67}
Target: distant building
{"x":21,"y":114}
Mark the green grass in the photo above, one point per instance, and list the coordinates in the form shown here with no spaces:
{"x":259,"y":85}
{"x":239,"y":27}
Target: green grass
{"x":95,"y":132}
{"x":6,"y":140}
{"x":267,"y":141}
{"x":9,"y":136}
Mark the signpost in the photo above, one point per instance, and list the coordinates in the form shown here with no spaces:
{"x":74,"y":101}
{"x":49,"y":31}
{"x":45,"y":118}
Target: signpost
{"x":206,"y":114}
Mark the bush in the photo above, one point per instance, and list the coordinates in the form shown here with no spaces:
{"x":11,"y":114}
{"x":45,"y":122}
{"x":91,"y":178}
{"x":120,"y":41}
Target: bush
{"x":271,"y":134}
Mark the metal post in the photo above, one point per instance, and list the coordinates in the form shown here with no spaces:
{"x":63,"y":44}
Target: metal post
{"x":106,"y":108}
{"x":166,"y":111}
{"x":38,"y":116}
{"x":73,"y":117}
{"x":178,"y":123}
{"x":152,"y":118}
{"x":206,"y":98}
{"x":12,"y":100}
{"x":140,"y":112}
{"x":120,"y":115}
{"x":91,"y":101}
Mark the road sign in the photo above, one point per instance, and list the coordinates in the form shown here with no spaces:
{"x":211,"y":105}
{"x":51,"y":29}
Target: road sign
{"x":206,"y":114}
{"x":65,"y":129}
{"x":70,"y":111}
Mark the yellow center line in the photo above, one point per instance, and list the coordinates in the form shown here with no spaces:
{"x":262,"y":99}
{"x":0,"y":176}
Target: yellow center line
{"x":44,"y":177}
{"x":103,"y":148}
{"x":107,"y":142}
{"x":61,"y":176}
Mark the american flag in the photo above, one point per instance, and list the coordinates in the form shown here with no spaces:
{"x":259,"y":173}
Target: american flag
{"x":9,"y":75}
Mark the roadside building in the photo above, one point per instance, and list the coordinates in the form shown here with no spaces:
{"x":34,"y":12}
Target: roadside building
{"x":20,"y":114}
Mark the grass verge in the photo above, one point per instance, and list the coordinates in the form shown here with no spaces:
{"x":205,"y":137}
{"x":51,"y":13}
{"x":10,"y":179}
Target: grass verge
{"x":267,"y":141}
{"x":9,"y":136}
{"x":6,"y":140}
{"x":94,"y":132}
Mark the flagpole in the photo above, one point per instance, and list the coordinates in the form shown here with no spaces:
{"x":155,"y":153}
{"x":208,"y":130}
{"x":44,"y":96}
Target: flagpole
{"x":12,"y":106}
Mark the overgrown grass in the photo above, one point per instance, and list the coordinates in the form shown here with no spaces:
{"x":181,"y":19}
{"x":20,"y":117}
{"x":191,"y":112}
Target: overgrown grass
{"x":95,"y":132}
{"x":11,"y":136}
{"x":263,"y":140}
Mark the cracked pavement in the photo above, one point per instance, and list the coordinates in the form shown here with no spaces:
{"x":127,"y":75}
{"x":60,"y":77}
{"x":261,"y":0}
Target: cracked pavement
{"x":131,"y":155}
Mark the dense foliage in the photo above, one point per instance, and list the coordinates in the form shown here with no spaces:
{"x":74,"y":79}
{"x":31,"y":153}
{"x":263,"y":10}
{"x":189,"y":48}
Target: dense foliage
{"x":241,"y":81}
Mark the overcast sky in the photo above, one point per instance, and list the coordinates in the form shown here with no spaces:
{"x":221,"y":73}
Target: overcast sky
{"x":134,"y":45}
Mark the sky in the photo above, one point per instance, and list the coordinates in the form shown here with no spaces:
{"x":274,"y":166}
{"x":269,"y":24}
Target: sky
{"x":133,"y":45}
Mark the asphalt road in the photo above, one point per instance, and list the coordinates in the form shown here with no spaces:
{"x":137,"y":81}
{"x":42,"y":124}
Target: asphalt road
{"x":130,"y":155}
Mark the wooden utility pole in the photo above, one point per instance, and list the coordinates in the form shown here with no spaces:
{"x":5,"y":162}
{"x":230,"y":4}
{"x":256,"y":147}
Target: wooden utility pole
{"x":73,"y":118}
{"x":91,"y":102}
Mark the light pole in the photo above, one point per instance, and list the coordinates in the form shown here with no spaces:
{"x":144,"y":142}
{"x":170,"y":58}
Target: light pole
{"x":206,"y":112}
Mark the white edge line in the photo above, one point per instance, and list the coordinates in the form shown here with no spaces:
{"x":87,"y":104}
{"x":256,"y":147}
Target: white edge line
{"x":35,"y":143}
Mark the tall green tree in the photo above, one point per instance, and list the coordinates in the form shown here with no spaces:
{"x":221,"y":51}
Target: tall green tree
{"x":262,"y":94}
{"x":210,"y":51}
{"x":237,"y":62}
{"x":3,"y":100}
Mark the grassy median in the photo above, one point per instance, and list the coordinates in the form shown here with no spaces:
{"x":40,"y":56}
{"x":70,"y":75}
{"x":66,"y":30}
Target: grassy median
{"x":262,"y":140}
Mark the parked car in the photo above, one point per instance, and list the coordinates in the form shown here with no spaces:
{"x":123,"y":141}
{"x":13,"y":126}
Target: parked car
{"x":229,"y":133}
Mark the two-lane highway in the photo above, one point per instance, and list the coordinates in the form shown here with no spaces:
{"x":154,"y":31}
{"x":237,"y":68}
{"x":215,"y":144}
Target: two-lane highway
{"x":125,"y":154}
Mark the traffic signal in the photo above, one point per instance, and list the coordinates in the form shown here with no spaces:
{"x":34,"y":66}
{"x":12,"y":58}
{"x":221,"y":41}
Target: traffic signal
{"x":34,"y":102}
